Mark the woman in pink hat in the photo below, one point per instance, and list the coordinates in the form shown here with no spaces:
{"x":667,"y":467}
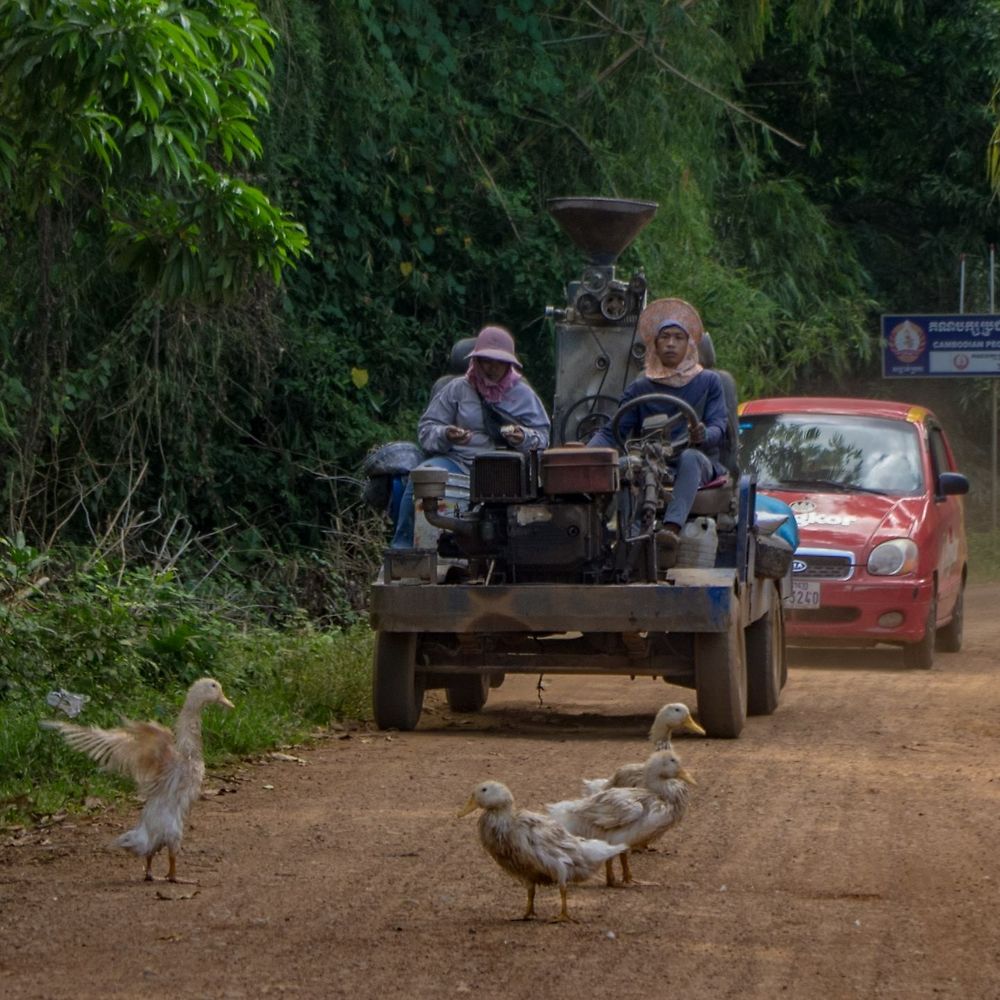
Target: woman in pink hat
{"x":671,"y":330}
{"x":492,"y":406}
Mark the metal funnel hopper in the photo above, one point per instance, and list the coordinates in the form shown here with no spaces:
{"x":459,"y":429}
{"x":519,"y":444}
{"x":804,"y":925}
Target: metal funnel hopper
{"x":601,"y":227}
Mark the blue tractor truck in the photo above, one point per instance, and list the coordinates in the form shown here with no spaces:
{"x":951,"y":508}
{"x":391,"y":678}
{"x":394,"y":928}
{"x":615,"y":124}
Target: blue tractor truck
{"x":547,"y":562}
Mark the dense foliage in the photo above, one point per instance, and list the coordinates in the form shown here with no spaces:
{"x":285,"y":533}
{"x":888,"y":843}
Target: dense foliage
{"x":238,"y":239}
{"x":898,"y":116}
{"x":813,"y":163}
{"x":129,"y":641}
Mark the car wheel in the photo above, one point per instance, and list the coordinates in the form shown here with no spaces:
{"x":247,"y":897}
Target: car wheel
{"x":949,"y":637}
{"x":920,"y":655}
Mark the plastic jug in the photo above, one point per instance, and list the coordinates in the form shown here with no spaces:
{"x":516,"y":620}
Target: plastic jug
{"x":698,"y":543}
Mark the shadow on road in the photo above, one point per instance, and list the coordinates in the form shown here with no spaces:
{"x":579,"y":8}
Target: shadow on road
{"x":883,"y":658}
{"x":520,"y":722}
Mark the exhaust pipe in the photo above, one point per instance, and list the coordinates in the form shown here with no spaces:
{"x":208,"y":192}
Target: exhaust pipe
{"x":429,"y":488}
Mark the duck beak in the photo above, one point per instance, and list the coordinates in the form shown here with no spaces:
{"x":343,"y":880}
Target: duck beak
{"x":686,"y":776}
{"x":692,"y":727}
{"x":471,"y":806}
{"x":225,"y":702}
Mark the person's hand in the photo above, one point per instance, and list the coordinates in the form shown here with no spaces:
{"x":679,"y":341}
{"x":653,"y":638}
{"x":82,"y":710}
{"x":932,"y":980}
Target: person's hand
{"x":698,"y":433}
{"x":513,"y":434}
{"x":457,"y":435}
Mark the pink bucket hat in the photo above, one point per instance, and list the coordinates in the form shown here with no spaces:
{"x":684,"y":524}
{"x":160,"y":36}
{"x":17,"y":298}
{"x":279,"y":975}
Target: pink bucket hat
{"x":495,"y":342}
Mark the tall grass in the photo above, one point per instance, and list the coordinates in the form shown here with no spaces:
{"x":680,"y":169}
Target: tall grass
{"x":286,"y":685}
{"x":132,"y":640}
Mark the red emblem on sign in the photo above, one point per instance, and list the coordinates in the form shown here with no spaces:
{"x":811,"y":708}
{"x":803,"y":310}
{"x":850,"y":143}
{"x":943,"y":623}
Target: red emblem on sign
{"x":907,"y":341}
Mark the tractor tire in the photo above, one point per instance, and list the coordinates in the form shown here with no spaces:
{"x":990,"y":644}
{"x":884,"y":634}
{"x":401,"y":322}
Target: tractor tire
{"x":766,"y":665}
{"x":397,"y":689}
{"x":721,"y":680}
{"x":468,"y":692}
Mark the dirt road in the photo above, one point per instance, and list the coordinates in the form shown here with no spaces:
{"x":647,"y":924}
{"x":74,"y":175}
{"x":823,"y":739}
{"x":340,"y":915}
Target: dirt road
{"x":846,"y":847}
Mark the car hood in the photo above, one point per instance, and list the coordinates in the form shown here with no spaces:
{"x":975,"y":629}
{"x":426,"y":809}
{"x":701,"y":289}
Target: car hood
{"x":850,"y":520}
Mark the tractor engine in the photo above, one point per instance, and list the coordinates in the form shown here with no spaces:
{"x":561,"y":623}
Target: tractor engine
{"x":539,"y":517}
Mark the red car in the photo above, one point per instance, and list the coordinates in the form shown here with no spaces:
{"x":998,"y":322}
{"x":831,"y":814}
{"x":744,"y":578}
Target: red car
{"x":882,"y":553}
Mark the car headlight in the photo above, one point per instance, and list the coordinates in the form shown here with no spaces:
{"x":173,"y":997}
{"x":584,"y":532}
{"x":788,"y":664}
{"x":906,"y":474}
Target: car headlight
{"x":893,"y":558}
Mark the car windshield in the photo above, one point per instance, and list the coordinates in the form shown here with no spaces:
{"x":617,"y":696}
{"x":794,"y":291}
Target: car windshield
{"x":831,"y":452}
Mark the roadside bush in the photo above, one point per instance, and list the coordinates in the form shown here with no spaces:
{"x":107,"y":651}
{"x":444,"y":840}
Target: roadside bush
{"x":132,"y":639}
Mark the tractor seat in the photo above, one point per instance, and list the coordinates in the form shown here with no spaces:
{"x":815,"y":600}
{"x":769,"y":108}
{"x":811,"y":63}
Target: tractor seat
{"x":714,"y":497}
{"x":458,"y":362}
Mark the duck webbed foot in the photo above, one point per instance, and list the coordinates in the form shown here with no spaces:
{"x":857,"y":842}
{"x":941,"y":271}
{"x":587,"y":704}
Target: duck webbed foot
{"x":627,"y":877}
{"x":562,"y":917}
{"x":172,"y":874}
{"x":529,"y":911}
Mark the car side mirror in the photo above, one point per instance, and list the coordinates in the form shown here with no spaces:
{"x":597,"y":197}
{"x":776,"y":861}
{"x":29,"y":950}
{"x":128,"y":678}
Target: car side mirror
{"x":952,"y":484}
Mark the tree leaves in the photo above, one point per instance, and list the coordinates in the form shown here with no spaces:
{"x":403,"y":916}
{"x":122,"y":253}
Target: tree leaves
{"x":143,"y":157}
{"x":139,"y":99}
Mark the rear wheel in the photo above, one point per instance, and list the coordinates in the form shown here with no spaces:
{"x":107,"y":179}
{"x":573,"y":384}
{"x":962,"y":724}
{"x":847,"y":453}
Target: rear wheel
{"x":949,"y":637}
{"x":468,"y":692}
{"x":766,"y":667}
{"x":721,"y":680}
{"x":397,"y":689}
{"x":920,"y":655}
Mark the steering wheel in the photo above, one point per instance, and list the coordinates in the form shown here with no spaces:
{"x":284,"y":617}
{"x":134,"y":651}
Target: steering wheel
{"x":598,"y":414}
{"x":686,"y":412}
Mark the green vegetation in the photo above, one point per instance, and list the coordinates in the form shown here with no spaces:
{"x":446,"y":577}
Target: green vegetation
{"x":814,"y":164}
{"x":132,"y":641}
{"x":237,"y":241}
{"x":984,"y":557}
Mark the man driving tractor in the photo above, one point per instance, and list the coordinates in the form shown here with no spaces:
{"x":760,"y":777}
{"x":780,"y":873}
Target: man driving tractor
{"x":671,"y":330}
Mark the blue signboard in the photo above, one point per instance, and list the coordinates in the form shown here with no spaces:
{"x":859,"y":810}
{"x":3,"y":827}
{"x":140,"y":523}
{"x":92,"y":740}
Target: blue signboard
{"x":939,"y":345}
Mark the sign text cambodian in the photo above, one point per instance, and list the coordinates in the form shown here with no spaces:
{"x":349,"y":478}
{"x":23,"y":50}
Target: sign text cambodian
{"x":940,"y":345}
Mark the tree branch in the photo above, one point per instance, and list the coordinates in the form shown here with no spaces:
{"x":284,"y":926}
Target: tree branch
{"x":690,"y":81}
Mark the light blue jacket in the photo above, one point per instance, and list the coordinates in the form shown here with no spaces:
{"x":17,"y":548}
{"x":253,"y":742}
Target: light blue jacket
{"x":458,"y":404}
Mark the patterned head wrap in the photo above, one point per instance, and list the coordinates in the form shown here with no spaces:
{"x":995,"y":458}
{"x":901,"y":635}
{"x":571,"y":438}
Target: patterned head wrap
{"x":671,"y":312}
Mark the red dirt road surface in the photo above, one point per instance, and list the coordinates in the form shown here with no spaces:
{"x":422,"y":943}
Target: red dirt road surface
{"x":845,"y":847}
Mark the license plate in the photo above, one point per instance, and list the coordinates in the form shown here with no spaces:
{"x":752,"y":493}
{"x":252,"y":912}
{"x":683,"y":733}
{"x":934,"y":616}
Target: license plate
{"x":805,"y":594}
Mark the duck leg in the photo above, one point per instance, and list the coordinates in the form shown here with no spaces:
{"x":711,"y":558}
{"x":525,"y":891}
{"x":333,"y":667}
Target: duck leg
{"x":172,"y":872}
{"x":149,"y":867}
{"x":529,"y":913}
{"x":627,"y":878}
{"x":609,"y":873}
{"x":563,"y":916}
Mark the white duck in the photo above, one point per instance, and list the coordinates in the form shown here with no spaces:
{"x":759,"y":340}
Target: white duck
{"x":634,"y":817}
{"x":673,"y":717}
{"x":533,"y":848}
{"x":166,"y":766}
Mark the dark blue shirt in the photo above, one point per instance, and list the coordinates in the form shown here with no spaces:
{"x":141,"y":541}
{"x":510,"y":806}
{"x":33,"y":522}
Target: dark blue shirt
{"x":704,"y":393}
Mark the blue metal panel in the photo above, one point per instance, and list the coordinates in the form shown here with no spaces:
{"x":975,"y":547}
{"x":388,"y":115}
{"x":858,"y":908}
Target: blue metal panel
{"x":700,"y":601}
{"x":747,"y":511}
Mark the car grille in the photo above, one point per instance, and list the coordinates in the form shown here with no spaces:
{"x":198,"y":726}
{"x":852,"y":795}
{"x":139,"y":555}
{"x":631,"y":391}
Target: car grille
{"x":822,"y":566}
